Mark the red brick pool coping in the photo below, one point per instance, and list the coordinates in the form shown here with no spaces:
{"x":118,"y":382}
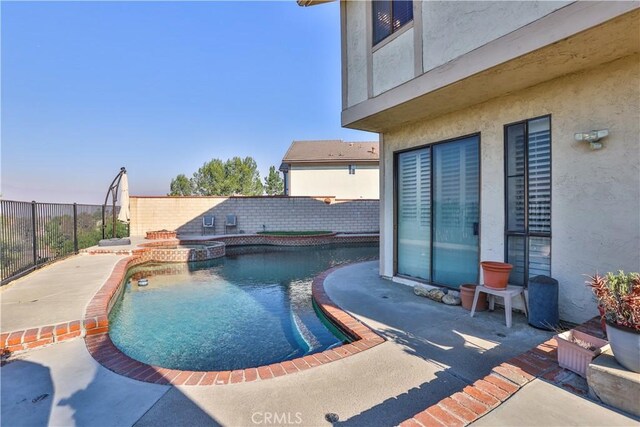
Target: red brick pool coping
{"x":484,"y":395}
{"x":106,"y":353}
{"x":96,"y":317}
{"x":95,"y":327}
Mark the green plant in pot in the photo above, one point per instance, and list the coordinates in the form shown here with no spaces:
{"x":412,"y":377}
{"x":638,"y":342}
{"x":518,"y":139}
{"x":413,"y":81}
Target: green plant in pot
{"x":618,"y":297}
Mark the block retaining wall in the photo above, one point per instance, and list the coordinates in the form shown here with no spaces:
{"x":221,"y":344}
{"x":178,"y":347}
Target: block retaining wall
{"x":254,"y":214}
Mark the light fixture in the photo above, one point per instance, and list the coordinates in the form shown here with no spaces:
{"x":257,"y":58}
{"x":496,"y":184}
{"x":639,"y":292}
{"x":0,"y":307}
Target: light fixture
{"x":593,"y":137}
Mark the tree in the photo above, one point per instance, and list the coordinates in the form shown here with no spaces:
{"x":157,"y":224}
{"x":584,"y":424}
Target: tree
{"x":243,"y":177}
{"x":274,"y":185}
{"x":210,"y":179}
{"x":181,"y":186}
{"x":236,"y":176}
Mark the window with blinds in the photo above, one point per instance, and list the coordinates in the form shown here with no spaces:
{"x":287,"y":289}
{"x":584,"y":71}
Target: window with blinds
{"x":389,"y":16}
{"x":528,"y":198}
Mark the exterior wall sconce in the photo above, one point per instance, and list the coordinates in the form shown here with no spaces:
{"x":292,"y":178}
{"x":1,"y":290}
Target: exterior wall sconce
{"x":593,"y":137}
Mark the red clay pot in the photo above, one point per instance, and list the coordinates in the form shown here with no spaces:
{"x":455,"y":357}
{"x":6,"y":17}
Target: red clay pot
{"x":466,"y":296}
{"x":495,"y":274}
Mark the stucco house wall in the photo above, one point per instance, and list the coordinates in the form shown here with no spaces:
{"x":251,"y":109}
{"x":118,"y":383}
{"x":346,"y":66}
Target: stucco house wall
{"x":595,"y":194}
{"x":491,"y":20}
{"x":393,"y":63}
{"x":424,"y":43}
{"x":335,"y":180}
{"x":355,"y":61}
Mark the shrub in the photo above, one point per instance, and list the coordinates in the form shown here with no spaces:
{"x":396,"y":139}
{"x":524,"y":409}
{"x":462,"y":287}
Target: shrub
{"x":618,"y":296}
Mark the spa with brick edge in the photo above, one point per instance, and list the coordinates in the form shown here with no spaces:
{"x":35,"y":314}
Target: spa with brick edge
{"x":108,"y":355}
{"x":242,"y":240}
{"x":484,"y":395}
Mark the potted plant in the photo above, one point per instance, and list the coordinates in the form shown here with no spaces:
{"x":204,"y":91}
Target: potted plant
{"x":618,"y":296}
{"x":576,"y":350}
{"x":467,"y":293}
{"x":495,"y":274}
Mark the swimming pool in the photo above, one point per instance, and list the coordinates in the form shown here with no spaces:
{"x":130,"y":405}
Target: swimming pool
{"x":250,"y":308}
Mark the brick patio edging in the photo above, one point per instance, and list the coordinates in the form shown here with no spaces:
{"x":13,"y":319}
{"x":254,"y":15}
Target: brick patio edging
{"x":37,"y":337}
{"x":486,"y":394}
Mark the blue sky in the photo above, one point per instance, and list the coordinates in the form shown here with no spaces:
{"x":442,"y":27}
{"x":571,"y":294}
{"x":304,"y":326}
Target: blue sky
{"x":159,"y":88}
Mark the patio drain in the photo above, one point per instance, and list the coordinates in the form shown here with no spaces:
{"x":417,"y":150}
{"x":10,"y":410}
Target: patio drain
{"x":331,"y":417}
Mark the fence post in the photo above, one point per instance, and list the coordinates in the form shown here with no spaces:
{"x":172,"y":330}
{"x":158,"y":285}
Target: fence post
{"x":75,"y":228}
{"x":104,"y":225}
{"x":33,"y":228}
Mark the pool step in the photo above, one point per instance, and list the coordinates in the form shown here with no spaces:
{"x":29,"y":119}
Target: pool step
{"x":307,"y":336}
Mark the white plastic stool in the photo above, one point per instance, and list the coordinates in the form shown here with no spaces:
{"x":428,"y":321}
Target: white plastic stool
{"x":508,"y":293}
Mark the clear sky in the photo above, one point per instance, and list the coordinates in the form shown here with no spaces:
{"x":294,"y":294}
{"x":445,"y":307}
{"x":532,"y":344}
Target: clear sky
{"x":159,"y":88}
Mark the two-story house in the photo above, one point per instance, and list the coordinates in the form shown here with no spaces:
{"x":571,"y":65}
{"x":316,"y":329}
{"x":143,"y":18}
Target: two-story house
{"x":485,"y":111}
{"x":344,"y":170}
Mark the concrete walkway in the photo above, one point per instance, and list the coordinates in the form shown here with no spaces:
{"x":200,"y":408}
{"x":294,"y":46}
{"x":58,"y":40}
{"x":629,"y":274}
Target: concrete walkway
{"x":54,"y":294}
{"x":543,"y":404}
{"x":63,"y":385}
{"x":433,"y":351}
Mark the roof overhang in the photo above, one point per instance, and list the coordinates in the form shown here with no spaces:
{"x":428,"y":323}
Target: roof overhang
{"x":293,"y":163}
{"x":305,"y":3}
{"x":572,"y":39}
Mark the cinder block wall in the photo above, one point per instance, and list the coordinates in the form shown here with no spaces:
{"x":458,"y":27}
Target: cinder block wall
{"x":184,"y":214}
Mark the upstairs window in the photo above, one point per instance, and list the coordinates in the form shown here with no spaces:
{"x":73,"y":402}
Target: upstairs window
{"x":389,"y":16}
{"x":352,"y":169}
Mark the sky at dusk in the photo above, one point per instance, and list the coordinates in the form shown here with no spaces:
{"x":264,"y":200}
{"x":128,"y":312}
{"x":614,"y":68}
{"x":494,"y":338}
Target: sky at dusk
{"x":159,"y":88}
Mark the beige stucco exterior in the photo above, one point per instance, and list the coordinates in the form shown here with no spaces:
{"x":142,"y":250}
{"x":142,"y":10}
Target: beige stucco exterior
{"x":355,"y":86}
{"x":491,"y":20}
{"x":334,"y":180}
{"x":595,"y":194}
{"x":462,"y":68}
{"x":393,"y":63}
{"x":426,"y":42}
{"x":478,"y":51}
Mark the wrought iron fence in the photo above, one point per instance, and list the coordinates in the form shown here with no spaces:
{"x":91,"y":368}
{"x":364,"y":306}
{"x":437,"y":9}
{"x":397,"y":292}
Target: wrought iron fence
{"x":35,"y":234}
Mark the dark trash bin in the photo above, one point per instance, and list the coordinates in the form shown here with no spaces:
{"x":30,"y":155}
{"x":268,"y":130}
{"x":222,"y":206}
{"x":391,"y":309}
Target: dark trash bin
{"x":543,"y":303}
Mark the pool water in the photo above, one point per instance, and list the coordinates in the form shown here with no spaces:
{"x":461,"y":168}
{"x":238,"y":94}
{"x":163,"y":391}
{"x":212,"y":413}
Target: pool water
{"x":250,"y":308}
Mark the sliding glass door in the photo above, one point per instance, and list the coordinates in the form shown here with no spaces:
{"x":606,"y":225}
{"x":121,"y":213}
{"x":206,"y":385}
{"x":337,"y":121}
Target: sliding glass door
{"x":444,"y":179}
{"x":456,"y":212}
{"x":414,"y":213}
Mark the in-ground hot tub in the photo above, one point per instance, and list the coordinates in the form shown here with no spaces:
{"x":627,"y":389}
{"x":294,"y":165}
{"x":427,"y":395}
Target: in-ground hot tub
{"x":248,"y":309}
{"x":185,"y":251}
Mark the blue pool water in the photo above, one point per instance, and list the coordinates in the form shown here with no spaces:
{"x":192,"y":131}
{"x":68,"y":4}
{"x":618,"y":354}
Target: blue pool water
{"x":250,"y":308}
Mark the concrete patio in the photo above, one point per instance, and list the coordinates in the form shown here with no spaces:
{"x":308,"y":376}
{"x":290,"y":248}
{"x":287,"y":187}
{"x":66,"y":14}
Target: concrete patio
{"x":433,"y":350}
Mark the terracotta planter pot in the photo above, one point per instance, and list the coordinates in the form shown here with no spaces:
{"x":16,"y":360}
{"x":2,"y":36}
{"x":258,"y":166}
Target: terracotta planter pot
{"x":495,"y":274}
{"x":466,"y":296}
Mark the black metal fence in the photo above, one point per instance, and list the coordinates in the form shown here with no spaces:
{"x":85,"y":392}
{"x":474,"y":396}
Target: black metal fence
{"x":35,"y":234}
